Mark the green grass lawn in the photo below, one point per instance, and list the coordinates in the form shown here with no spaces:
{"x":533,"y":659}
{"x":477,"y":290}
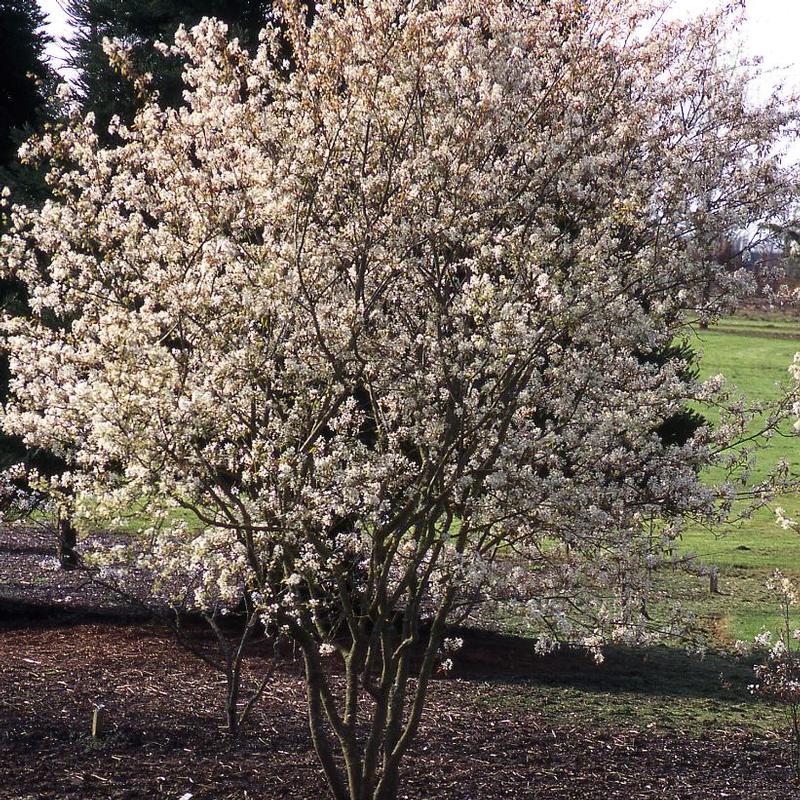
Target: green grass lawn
{"x":135,"y":519}
{"x":753,"y":354}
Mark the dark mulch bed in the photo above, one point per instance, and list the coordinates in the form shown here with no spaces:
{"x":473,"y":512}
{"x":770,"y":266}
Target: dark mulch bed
{"x":33,"y":585}
{"x":164,"y":736}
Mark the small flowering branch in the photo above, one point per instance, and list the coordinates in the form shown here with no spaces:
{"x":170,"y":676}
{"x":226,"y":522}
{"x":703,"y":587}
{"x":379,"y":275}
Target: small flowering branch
{"x":18,"y":500}
{"x":778,"y":678}
{"x":234,"y":627}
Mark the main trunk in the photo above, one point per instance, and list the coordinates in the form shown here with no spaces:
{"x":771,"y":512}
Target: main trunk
{"x":362,"y":762}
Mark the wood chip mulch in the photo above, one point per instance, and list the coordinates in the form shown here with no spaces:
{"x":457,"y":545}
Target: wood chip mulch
{"x":162,"y":728}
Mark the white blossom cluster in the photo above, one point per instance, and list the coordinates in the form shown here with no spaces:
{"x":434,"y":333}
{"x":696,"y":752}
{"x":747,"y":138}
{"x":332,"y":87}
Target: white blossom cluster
{"x":418,"y":276}
{"x":17,"y":500}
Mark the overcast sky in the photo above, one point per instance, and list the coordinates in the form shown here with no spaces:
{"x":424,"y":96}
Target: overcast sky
{"x":57,"y":27}
{"x":771,"y":31}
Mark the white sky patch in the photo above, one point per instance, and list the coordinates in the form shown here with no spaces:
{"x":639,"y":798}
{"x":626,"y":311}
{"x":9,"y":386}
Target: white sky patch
{"x":58,"y":27}
{"x":771,"y":31}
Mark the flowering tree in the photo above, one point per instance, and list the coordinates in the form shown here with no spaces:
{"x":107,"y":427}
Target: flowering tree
{"x":384,"y":320}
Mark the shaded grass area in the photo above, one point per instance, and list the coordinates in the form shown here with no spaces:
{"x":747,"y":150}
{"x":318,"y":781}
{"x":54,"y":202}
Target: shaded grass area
{"x":666,"y":687}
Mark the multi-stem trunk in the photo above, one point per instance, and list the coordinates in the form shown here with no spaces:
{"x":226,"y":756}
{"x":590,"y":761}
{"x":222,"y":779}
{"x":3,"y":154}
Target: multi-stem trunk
{"x":362,"y":762}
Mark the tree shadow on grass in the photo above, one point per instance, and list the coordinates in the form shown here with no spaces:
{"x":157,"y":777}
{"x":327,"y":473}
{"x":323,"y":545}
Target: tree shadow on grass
{"x":660,"y":670}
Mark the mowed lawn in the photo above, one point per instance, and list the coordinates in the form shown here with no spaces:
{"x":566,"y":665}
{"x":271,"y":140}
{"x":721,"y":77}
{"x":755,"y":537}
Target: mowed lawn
{"x":754,"y":355}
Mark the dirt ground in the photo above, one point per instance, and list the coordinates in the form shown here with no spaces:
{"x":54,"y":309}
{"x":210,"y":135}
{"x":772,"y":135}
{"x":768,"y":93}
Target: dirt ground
{"x":163,"y":731}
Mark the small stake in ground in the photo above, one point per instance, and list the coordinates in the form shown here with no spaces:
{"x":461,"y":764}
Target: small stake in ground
{"x":98,"y":721}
